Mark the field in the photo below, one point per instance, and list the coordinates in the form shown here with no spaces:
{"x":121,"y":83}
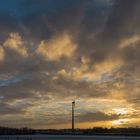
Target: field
{"x":68,"y":137}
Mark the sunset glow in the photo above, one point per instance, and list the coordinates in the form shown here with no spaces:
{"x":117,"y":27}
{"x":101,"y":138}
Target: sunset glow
{"x":54,"y":52}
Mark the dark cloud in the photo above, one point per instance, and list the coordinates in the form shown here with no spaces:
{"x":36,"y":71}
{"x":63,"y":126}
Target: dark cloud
{"x":97,"y":116}
{"x":7,"y":109}
{"x":118,"y":23}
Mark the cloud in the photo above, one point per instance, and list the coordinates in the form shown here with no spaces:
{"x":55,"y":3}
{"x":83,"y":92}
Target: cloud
{"x":7,"y":109}
{"x":97,"y":116}
{"x":57,"y":48}
{"x":15,"y":43}
{"x":53,"y":51}
{"x":2,"y":54}
{"x":132,"y":41}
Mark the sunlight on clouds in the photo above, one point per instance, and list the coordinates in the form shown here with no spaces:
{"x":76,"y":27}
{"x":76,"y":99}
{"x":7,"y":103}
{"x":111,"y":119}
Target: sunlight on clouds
{"x":108,"y":65}
{"x":105,"y":105}
{"x":96,"y":71}
{"x":54,"y":58}
{"x":2,"y":54}
{"x":15,"y":43}
{"x":129,"y":41}
{"x":91,"y":73}
{"x":121,"y":110}
{"x":117,"y":93}
{"x":120,"y":122}
{"x":128,"y":116}
{"x":57,"y":47}
{"x":85,"y":60}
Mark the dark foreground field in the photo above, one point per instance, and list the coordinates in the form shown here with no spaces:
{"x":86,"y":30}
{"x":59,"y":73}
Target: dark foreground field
{"x":68,"y":137}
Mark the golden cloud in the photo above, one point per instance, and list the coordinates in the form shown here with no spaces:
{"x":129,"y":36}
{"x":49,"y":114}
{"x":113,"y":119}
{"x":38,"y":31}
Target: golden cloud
{"x":91,"y":72}
{"x":2,"y":54}
{"x":129,"y":41}
{"x":15,"y":43}
{"x":57,"y":47}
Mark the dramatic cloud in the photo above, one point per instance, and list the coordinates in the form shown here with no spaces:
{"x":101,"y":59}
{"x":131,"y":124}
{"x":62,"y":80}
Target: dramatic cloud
{"x":15,"y":43}
{"x":53,"y":52}
{"x":1,"y":54}
{"x":55,"y":49}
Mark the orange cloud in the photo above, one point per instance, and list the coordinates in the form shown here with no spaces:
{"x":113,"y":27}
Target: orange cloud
{"x":57,"y":47}
{"x":130,"y":41}
{"x":15,"y":43}
{"x":2,"y":54}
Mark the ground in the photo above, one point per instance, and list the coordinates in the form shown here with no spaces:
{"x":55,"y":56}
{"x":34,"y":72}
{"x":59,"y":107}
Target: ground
{"x":61,"y":137}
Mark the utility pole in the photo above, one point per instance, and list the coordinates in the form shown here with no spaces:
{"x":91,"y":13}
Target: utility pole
{"x":73,"y":121}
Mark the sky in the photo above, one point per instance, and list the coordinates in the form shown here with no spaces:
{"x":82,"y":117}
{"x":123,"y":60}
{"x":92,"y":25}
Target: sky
{"x":53,"y":52}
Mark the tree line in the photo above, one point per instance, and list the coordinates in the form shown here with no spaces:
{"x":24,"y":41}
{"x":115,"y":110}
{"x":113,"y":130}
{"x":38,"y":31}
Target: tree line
{"x":132,"y":131}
